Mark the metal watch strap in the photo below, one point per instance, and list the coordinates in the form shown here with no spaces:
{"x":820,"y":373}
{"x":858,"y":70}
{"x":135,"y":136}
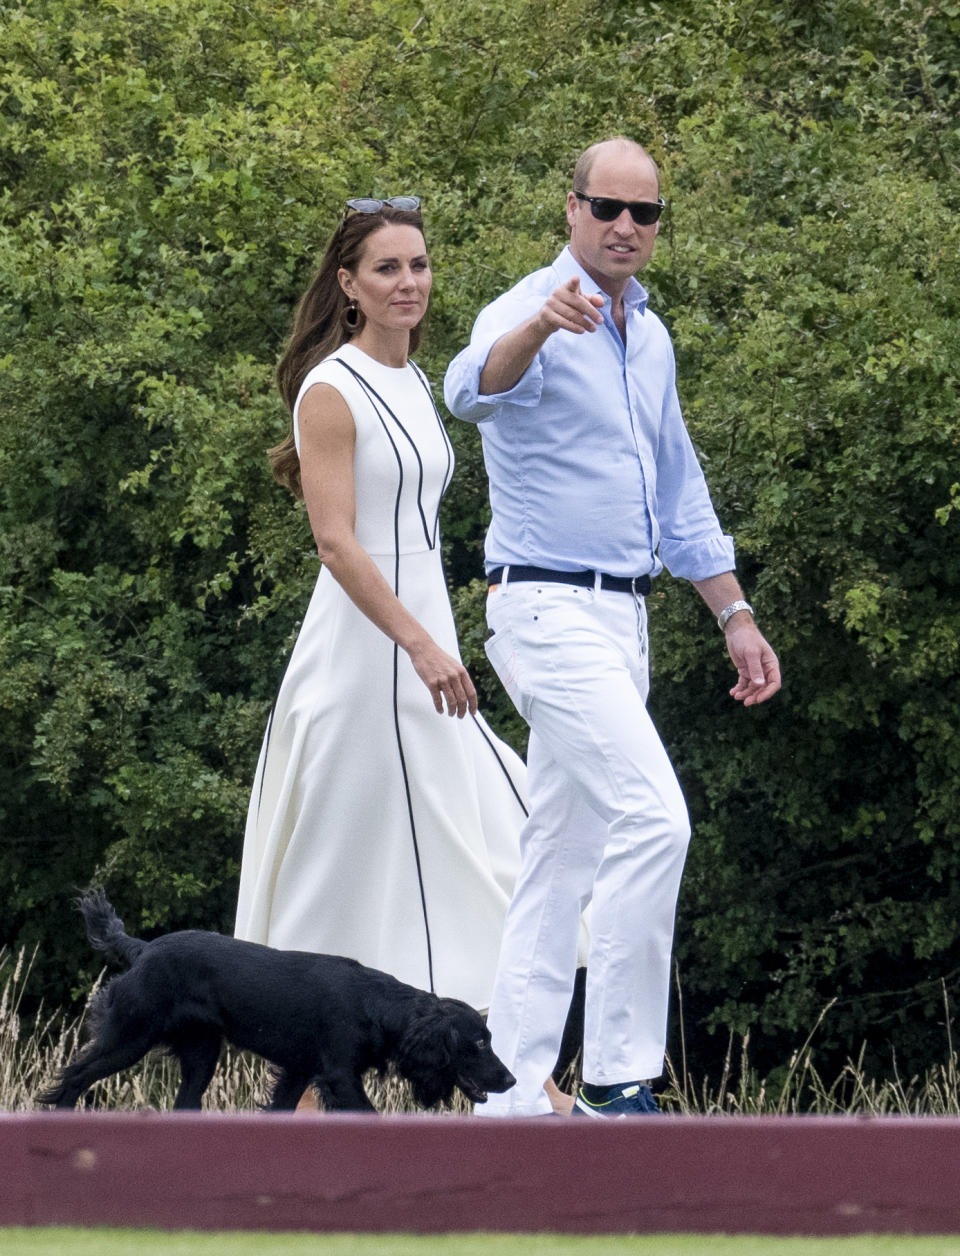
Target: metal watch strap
{"x":731,"y":610}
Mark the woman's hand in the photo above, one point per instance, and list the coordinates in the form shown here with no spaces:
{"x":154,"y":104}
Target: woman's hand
{"x":445,"y":677}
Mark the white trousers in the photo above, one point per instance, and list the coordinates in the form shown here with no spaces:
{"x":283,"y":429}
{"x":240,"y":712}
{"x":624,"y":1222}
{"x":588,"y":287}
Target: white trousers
{"x":607,"y":826}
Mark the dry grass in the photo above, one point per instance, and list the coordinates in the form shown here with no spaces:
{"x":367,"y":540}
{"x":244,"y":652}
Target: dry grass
{"x":30,"y":1057}
{"x":742,"y":1092}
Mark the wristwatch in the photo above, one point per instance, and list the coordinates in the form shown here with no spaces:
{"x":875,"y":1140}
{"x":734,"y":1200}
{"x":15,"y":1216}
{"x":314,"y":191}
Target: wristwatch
{"x":730,"y":610}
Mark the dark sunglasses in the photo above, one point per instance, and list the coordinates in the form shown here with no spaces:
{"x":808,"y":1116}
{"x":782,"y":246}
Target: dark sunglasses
{"x":370,"y":205}
{"x":643,"y":213}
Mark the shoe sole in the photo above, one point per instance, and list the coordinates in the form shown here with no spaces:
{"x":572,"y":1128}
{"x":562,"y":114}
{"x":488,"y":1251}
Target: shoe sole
{"x":583,"y":1110}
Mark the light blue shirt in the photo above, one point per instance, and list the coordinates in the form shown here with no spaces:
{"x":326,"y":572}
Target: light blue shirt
{"x":589,"y":460}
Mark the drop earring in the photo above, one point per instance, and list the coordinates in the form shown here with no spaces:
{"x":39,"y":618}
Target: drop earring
{"x":351,"y":315}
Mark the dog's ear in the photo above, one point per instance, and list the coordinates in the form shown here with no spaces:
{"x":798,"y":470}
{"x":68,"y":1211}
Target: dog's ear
{"x":426,"y":1056}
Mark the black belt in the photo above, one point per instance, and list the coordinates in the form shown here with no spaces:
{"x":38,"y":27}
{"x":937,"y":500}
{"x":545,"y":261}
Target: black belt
{"x":585,"y":579}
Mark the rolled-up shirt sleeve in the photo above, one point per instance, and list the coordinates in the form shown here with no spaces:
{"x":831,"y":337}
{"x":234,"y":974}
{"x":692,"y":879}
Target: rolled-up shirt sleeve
{"x":699,"y":558}
{"x":461,"y":384}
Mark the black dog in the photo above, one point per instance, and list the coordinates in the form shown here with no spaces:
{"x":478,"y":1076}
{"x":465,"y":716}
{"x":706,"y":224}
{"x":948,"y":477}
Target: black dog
{"x":321,"y":1020}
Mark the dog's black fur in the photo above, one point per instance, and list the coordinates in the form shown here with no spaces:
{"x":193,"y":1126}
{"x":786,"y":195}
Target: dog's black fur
{"x":321,"y":1020}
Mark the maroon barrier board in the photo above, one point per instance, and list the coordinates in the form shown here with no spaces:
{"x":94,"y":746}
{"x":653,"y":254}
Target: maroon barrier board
{"x":430,"y":1174}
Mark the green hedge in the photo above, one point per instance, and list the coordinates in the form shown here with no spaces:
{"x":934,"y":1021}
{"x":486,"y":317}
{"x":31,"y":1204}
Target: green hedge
{"x":170,"y":172}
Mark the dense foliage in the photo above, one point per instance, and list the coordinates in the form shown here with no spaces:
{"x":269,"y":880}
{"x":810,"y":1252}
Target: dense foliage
{"x":168,"y":175}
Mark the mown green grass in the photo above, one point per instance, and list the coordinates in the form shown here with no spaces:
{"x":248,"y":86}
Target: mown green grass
{"x":59,"y":1241}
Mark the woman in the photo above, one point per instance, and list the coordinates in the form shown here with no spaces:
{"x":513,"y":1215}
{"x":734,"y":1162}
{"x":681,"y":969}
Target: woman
{"x":378,"y":827}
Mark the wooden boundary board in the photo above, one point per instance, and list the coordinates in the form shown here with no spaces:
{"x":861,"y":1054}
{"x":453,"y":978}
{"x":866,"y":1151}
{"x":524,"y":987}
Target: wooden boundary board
{"x":436,"y":1174}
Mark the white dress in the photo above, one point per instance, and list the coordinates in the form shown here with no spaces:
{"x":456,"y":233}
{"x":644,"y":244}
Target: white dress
{"x":378,"y":828}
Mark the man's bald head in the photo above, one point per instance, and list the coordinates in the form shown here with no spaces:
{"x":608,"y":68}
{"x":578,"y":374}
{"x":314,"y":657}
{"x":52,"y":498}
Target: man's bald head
{"x":620,"y":144}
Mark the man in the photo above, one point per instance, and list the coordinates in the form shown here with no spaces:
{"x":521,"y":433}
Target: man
{"x":594,"y":486}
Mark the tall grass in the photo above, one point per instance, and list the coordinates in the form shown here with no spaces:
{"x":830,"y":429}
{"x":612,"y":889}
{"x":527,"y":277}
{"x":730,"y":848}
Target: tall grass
{"x":741,"y":1091}
{"x":30,"y":1056}
{"x":801,"y":1088}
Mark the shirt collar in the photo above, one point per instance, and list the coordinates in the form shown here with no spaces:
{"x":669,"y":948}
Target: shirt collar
{"x":635,"y":295}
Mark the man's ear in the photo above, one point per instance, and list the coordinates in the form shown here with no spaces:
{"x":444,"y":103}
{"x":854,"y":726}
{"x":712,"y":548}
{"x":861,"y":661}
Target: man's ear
{"x":572,"y":205}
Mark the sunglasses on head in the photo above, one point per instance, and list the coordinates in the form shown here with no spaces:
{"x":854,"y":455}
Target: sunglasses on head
{"x":606,"y":209}
{"x":370,"y":204}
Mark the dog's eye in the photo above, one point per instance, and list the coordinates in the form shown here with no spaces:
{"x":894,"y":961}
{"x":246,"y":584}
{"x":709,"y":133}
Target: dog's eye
{"x":481,"y":1044}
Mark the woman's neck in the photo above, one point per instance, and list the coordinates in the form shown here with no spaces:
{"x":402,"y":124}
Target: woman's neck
{"x":390,"y":349}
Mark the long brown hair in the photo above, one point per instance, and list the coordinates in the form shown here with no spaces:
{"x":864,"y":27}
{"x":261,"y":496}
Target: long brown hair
{"x":319,"y":324}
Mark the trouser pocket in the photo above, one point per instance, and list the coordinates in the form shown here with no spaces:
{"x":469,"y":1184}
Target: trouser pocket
{"x":501,"y":649}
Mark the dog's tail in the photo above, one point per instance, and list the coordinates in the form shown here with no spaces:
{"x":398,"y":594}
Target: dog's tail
{"x":105,"y":929}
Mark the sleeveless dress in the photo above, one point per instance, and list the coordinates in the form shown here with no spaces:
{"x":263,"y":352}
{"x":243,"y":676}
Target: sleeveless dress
{"x":377,"y":828}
